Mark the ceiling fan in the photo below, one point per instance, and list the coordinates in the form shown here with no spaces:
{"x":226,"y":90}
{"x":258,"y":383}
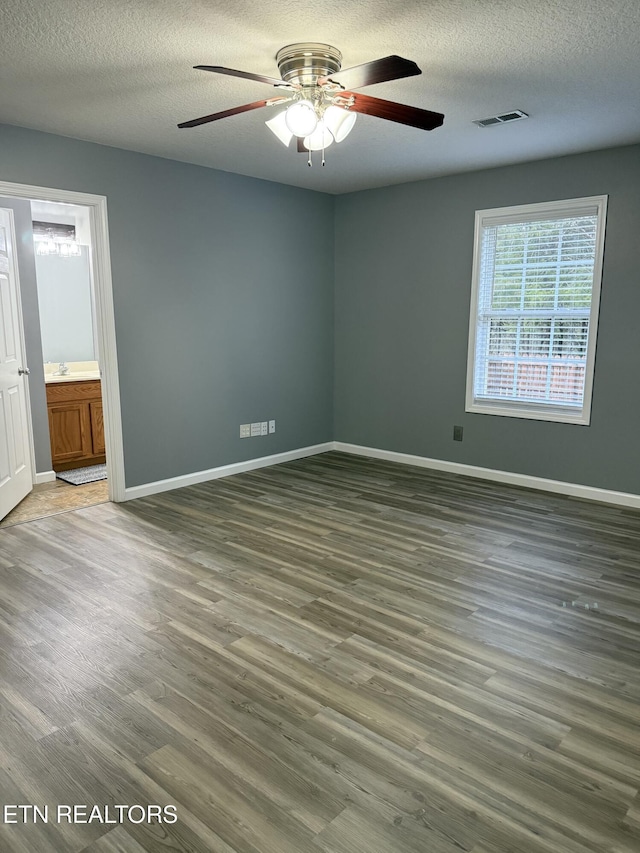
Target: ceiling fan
{"x":321,"y":107}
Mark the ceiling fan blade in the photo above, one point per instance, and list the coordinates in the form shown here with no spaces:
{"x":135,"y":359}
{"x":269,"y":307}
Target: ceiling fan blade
{"x":391,"y":111}
{"x":378,"y":71}
{"x":232,"y":112}
{"x":247,"y":75}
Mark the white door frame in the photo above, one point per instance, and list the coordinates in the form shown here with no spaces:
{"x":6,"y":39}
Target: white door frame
{"x":105,"y":320}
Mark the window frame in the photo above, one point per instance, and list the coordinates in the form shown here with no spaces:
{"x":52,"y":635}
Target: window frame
{"x":591,"y":205}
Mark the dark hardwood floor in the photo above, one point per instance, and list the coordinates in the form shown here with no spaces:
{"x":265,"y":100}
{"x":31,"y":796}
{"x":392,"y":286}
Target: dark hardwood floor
{"x":336,"y":655}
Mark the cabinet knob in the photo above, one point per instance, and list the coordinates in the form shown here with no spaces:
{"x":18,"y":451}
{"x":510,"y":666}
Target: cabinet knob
{"x":23,"y":371}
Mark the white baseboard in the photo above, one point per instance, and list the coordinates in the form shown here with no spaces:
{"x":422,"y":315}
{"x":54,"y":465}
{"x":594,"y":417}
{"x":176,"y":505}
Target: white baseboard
{"x":526,"y":480}
{"x":44,"y":477}
{"x":224,"y":471}
{"x":575,"y":490}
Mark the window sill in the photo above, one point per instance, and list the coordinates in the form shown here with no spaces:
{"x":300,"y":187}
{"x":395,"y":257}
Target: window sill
{"x":521,"y":410}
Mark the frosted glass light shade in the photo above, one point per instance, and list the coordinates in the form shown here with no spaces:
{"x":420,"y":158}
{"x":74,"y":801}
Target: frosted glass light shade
{"x":340,"y":122}
{"x":278,"y":126}
{"x":301,"y":118}
{"x":319,"y":139}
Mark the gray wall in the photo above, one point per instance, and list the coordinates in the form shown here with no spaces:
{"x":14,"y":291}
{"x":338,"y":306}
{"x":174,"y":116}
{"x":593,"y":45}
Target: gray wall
{"x":223,"y":291}
{"x":225,"y":311}
{"x":29,"y":298}
{"x":403,"y":284}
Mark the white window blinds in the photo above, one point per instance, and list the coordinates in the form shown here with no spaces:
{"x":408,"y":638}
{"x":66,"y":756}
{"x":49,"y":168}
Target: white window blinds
{"x":535,"y":278}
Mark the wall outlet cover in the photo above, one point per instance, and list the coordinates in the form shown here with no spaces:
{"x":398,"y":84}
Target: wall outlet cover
{"x":263,"y":428}
{"x":272,"y":426}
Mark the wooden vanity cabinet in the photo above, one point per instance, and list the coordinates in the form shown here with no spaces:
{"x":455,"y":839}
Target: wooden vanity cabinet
{"x":76,"y":424}
{"x":97,"y":426}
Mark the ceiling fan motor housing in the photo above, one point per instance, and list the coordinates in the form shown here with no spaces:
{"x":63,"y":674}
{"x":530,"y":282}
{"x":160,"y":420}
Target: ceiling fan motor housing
{"x":304,"y":62}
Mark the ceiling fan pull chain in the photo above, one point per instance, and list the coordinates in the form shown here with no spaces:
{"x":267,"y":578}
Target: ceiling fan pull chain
{"x":309,"y":163}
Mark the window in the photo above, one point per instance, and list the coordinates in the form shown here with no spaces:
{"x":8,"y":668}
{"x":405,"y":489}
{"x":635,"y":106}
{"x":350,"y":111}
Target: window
{"x":534,"y":309}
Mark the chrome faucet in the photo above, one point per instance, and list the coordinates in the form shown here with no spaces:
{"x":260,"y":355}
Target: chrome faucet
{"x":63,"y":369}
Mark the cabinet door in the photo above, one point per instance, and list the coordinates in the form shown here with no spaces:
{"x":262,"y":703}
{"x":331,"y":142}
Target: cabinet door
{"x":97,"y":427}
{"x":70,"y":431}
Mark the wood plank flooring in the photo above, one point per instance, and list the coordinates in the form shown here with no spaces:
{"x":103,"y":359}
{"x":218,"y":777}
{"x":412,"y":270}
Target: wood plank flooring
{"x":336,"y":655}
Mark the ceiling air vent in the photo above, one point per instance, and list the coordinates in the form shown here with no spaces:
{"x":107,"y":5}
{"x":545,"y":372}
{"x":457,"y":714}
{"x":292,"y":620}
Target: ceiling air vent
{"x":503,"y":118}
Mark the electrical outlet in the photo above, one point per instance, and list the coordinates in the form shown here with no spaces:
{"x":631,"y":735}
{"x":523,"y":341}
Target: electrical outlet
{"x":263,"y":428}
{"x":457,"y":433}
{"x":272,"y":426}
{"x":255,"y":429}
{"x":245,"y":430}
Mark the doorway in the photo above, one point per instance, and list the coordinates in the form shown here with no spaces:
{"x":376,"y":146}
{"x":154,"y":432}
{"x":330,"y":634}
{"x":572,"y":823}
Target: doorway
{"x":62,"y":253}
{"x":71,"y":250}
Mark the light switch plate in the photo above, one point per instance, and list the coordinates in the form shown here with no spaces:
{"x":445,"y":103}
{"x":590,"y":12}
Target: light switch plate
{"x":255,"y":429}
{"x":272,"y":426}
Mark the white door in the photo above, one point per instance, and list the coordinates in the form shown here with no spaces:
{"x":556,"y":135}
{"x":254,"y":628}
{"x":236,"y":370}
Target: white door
{"x":16,"y":478}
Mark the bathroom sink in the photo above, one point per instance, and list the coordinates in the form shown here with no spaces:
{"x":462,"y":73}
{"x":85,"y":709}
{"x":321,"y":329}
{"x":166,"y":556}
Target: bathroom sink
{"x":77,"y":371}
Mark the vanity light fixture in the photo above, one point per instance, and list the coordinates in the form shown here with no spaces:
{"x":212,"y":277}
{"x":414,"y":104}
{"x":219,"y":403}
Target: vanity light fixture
{"x":55,"y":239}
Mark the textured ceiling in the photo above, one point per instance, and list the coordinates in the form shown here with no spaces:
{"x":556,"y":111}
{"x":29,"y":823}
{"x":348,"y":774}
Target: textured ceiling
{"x":119,"y":72}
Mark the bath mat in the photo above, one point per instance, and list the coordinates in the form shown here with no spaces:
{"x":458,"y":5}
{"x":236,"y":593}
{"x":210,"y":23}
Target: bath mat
{"x":80,"y":476}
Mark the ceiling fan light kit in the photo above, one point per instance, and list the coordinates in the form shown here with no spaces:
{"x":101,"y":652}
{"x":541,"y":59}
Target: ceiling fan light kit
{"x":340,"y":122}
{"x":278,"y":126}
{"x":301,"y":117}
{"x":320,"y":139}
{"x":321,"y":108}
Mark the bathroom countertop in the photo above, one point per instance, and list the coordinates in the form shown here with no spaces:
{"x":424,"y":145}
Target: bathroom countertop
{"x":78,"y":371}
{"x":73,"y":377}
